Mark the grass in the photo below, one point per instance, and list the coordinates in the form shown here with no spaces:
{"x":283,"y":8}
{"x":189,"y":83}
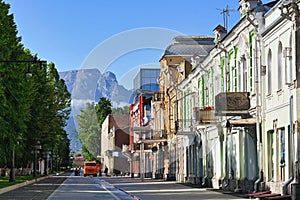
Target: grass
{"x":4,"y":180}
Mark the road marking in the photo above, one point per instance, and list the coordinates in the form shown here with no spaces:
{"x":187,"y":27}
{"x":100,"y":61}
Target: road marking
{"x":110,"y":192}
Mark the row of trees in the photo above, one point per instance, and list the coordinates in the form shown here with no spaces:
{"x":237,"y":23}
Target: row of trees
{"x":32,"y":110}
{"x":90,"y":121}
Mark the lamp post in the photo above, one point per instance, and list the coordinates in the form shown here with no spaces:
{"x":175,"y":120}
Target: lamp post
{"x":37,"y":149}
{"x":28,"y":74}
{"x":12,"y":170}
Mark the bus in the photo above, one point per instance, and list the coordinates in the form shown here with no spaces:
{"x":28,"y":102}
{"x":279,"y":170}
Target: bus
{"x":90,"y":168}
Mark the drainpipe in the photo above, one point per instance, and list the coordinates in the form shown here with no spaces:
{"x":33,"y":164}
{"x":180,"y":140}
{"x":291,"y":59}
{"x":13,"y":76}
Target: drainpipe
{"x":291,"y":141}
{"x":258,"y":114}
{"x":257,"y":55}
{"x":227,"y":122}
{"x":227,"y":176}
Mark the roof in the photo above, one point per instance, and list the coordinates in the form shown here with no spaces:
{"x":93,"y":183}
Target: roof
{"x":121,"y":121}
{"x":189,"y":46}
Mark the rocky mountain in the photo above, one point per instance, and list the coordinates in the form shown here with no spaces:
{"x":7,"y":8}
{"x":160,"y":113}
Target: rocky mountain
{"x":89,"y":85}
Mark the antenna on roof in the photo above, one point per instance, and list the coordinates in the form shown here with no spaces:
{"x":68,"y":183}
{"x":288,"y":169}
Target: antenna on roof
{"x":225,"y":13}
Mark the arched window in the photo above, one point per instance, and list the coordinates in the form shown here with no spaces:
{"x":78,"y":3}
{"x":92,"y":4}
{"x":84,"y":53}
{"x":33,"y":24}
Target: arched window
{"x":279,"y":66}
{"x":269,"y":72}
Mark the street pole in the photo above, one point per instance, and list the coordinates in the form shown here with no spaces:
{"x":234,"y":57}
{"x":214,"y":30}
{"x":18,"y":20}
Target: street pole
{"x":142,"y":162}
{"x":12,"y":170}
{"x":34,"y":163}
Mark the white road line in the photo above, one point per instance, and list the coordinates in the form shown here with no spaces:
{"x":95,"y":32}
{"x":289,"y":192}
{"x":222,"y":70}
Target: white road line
{"x":110,"y":192}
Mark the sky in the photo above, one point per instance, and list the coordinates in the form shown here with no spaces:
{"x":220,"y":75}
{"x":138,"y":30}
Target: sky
{"x":113,"y":35}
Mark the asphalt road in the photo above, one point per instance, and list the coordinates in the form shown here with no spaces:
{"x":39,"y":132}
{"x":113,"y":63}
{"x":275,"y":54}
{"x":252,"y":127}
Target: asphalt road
{"x":66,"y":187}
{"x":167,"y":190}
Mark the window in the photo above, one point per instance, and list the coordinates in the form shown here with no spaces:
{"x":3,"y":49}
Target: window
{"x":288,"y":62}
{"x":279,"y":66}
{"x":223,"y":74}
{"x":245,"y":74}
{"x":269,"y":72}
{"x":240,"y":72}
{"x":252,"y":38}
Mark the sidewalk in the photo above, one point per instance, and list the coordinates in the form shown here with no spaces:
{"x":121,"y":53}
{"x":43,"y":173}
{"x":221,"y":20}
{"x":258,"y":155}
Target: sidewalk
{"x":160,"y":189}
{"x":13,"y":187}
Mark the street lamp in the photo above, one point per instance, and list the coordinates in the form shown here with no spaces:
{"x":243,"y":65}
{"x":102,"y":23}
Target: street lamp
{"x":28,"y":74}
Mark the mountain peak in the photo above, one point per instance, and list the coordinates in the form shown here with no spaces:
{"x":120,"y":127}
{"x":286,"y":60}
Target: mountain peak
{"x":109,"y":75}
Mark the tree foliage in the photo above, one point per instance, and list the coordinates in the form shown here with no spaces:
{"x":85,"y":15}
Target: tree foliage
{"x":90,"y":121}
{"x":121,"y":110}
{"x":32,"y":110}
{"x":89,"y":132}
{"x":103,"y":108}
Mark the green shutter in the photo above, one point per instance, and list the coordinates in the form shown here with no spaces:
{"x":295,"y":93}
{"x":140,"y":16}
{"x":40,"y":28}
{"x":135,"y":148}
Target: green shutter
{"x":199,"y":91}
{"x":235,"y":69}
{"x":203,"y":91}
{"x":230,"y":53}
{"x":184,"y":108}
{"x":222,"y":74}
{"x":213,"y":87}
{"x":251,"y":39}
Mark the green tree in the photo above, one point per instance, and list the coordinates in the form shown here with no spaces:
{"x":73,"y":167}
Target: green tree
{"x":89,"y":132}
{"x":31,"y":110}
{"x":103,"y":108}
{"x":121,"y":110}
{"x":16,"y":92}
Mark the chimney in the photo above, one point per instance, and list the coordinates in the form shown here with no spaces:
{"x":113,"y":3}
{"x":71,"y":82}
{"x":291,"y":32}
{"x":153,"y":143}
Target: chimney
{"x":220,"y":33}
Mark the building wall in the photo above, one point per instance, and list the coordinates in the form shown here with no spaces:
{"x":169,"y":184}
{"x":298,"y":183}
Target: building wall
{"x":280,"y":100}
{"x":115,"y":133}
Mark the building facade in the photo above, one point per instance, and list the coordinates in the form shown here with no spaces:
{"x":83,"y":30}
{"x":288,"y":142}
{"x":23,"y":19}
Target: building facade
{"x":225,"y":111}
{"x":115,"y":134}
{"x":141,"y":123}
{"x":230,"y":116}
{"x":174,"y":156}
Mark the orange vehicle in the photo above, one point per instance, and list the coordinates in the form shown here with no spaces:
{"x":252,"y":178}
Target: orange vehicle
{"x":90,"y":168}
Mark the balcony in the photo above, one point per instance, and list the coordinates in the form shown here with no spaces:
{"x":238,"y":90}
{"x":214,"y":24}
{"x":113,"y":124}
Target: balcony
{"x":232,"y":103}
{"x":205,"y":115}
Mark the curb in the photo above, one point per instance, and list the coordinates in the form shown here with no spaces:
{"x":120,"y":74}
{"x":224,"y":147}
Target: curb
{"x":13,"y":187}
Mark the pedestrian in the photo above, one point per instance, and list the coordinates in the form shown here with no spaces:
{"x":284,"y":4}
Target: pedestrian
{"x":100,"y":169}
{"x":76,"y":172}
{"x":106,"y":170}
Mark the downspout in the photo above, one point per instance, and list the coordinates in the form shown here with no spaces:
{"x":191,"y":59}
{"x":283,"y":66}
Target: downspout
{"x":228,"y":127}
{"x":291,"y":141}
{"x":205,"y":178}
{"x":258,"y":113}
{"x":258,"y":101}
{"x":227,"y":122}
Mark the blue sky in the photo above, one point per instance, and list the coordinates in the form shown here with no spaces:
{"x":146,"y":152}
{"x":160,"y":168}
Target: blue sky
{"x":114,"y":35}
